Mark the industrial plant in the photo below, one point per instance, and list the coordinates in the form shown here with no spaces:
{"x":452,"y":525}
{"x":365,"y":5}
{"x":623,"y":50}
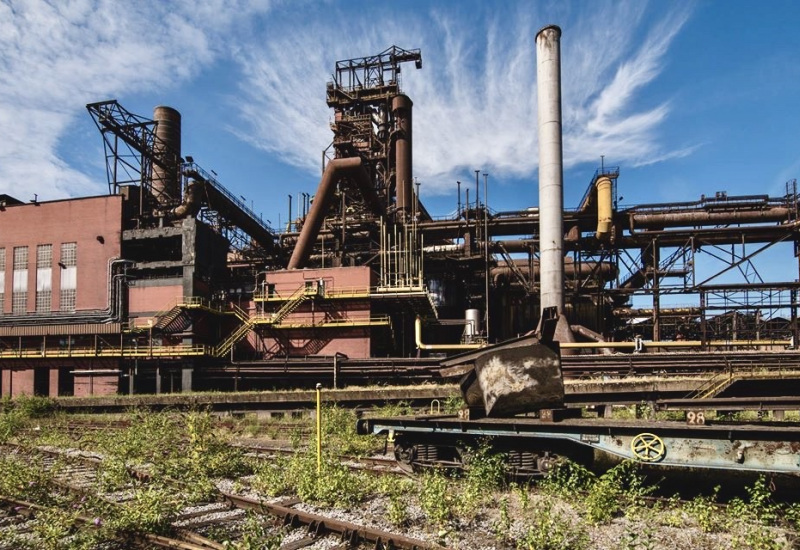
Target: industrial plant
{"x":171,"y":283}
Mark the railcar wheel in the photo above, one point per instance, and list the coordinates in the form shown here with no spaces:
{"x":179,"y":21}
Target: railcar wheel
{"x":405,"y":454}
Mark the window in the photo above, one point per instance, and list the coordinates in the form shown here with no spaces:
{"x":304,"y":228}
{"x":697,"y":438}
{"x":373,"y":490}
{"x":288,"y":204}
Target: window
{"x":44,"y":277}
{"x":19,"y":295}
{"x":2,"y":280}
{"x":69,"y":275}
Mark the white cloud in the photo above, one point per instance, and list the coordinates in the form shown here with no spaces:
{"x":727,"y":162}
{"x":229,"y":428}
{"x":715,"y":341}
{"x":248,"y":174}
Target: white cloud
{"x":58,"y":56}
{"x":475,"y":100}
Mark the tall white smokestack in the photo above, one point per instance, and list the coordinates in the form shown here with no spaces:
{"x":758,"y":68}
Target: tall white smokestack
{"x":551,"y":177}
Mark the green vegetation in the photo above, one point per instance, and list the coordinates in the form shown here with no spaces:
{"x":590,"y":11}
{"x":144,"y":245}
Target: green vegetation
{"x":185,"y":453}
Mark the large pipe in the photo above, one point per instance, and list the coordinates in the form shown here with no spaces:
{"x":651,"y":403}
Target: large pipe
{"x":645,"y":344}
{"x":192,"y":201}
{"x":334,"y":171}
{"x":602,"y":270}
{"x":401,"y":110}
{"x":604,"y":206}
{"x":551,"y":188}
{"x":167,"y":148}
{"x":693,"y":218}
{"x":439,"y":347}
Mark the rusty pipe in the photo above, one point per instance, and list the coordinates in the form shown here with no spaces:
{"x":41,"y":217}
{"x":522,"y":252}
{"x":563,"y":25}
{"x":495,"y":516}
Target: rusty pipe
{"x":334,"y":171}
{"x":401,"y":109}
{"x":644,"y":344}
{"x":165,"y":185}
{"x":657,"y":220}
{"x":605,"y":270}
{"x":191,"y":201}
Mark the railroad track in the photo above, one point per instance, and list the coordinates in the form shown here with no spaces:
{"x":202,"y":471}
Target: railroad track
{"x":632,"y":364}
{"x":372,"y":464}
{"x":77,"y":473}
{"x":20,"y":514}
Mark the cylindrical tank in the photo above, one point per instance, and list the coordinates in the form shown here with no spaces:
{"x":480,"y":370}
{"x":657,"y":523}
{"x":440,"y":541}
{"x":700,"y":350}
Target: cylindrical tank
{"x":167,"y":149}
{"x":401,"y":110}
{"x":473,"y":319}
{"x":604,"y":207}
{"x":551,"y":193}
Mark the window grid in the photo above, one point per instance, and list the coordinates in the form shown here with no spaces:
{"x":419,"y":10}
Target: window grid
{"x":44,"y":256}
{"x":19,"y":302}
{"x":44,"y":277}
{"x":69,"y":254}
{"x":20,"y":258}
{"x":43,"y":301}
{"x":19,"y":297}
{"x":68,"y":299}
{"x":69,"y":262}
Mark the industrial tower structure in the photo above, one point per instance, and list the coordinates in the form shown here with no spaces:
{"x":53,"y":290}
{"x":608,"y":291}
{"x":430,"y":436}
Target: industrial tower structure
{"x":170,"y":282}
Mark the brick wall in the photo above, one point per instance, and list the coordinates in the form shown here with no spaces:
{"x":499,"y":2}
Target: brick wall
{"x":94,"y":223}
{"x":100,"y":384}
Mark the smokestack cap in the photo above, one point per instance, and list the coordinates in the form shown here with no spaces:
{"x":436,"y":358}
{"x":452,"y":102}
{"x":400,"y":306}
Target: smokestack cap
{"x":548,"y":27}
{"x":170,"y":109}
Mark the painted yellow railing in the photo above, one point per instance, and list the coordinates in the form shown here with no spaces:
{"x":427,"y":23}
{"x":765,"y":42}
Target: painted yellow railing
{"x":373,"y":320}
{"x":107,"y":351}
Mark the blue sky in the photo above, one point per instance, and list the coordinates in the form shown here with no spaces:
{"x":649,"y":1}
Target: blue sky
{"x":687,"y":98}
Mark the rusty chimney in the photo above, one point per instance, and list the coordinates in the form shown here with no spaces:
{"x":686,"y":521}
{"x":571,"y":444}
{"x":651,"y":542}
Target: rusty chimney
{"x":401,"y":109}
{"x":167,"y":148}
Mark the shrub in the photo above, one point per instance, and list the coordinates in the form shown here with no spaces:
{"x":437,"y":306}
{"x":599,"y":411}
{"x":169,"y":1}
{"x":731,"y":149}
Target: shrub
{"x":336,"y":485}
{"x":551,"y":530}
{"x":151,"y":509}
{"x":620,"y":486}
{"x":567,"y":479}
{"x":435,"y":499}
{"x":705,"y":511}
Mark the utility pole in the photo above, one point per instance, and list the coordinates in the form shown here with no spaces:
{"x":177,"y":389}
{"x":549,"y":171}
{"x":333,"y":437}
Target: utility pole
{"x":486,"y":245}
{"x":477,"y":202}
{"x":458,"y":212}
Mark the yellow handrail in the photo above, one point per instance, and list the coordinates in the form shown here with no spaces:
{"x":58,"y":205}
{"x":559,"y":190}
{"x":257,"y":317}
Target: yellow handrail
{"x":180,"y":350}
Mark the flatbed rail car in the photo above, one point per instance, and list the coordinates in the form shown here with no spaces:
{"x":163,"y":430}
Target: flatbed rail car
{"x":532,"y":445}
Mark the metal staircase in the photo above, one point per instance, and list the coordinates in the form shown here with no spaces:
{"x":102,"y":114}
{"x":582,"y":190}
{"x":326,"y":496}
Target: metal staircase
{"x":227,"y":345}
{"x":298,"y":297}
{"x":174,"y":320}
{"x":177,"y":318}
{"x":714,"y":386}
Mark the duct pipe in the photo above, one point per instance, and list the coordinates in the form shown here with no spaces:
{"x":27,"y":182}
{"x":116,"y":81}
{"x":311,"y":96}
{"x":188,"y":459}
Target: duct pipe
{"x":439,"y":347}
{"x":645,"y":344}
{"x":334,"y":171}
{"x":660,"y":220}
{"x":511,"y":245}
{"x":458,"y":247}
{"x":167,"y":148}
{"x":191,"y":202}
{"x":551,"y":192}
{"x":401,"y":110}
{"x":604,"y":212}
{"x":603,"y":270}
